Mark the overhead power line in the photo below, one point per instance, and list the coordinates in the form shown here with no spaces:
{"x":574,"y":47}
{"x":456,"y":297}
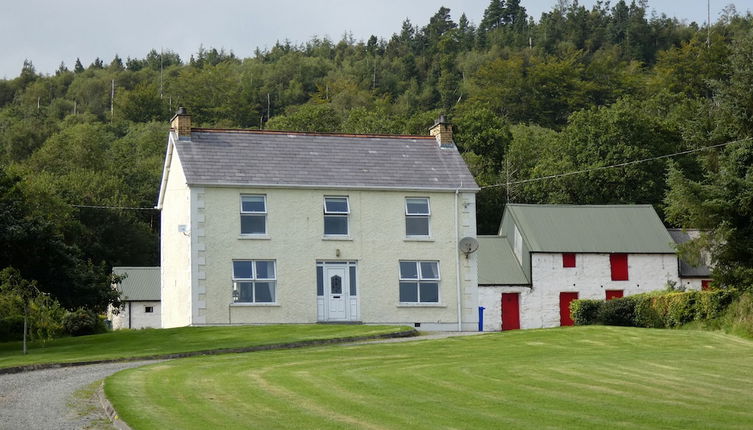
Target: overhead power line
{"x":627,"y":163}
{"x":114,"y":207}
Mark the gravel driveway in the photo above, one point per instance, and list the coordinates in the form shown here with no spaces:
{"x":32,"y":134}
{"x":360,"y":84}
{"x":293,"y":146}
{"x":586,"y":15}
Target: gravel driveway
{"x":44,"y":400}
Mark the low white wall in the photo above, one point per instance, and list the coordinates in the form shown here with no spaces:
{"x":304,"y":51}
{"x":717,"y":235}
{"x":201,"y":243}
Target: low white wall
{"x":691,"y":283}
{"x":539,"y":305}
{"x":139,"y":318}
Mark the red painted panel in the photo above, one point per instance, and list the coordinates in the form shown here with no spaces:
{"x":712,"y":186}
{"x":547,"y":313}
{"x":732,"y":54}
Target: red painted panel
{"x":565,"y":299}
{"x":613,"y":294}
{"x":568,"y":259}
{"x":705,"y":284}
{"x":619,"y":265}
{"x":510,"y":311}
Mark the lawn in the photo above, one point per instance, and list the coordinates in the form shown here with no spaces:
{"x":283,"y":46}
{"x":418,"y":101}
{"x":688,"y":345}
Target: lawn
{"x":143,"y":343}
{"x":579,"y":377}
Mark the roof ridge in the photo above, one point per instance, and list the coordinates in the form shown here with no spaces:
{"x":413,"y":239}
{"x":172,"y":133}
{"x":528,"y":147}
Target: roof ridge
{"x":569,"y":205}
{"x":308,"y":133}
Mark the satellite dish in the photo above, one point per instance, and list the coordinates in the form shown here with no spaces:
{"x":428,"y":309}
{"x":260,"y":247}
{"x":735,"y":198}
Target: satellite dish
{"x":468,"y":245}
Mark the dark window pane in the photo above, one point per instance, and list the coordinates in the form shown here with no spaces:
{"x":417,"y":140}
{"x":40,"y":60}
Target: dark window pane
{"x":336,"y":204}
{"x":429,"y":270}
{"x":265,"y":292}
{"x":253,"y":224}
{"x":336,"y":224}
{"x":408,"y":270}
{"x":253,"y":204}
{"x":417,"y":206}
{"x":429,"y":292}
{"x":408,"y":292}
{"x":319,"y":281}
{"x":242,"y":270}
{"x":245,"y":292}
{"x":353,"y":290}
{"x":335,"y":285}
{"x":416,"y":226}
{"x":265,"y":270}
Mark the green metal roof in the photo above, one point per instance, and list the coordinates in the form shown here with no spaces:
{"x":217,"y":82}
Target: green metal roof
{"x":497,"y":264}
{"x":592,"y":228}
{"x":141,"y":284}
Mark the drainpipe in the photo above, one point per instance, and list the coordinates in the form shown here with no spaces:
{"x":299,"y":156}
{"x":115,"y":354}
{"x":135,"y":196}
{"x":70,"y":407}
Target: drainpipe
{"x":457,"y":259}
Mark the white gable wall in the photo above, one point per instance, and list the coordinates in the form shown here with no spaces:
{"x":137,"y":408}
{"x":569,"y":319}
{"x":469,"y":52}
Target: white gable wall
{"x":133,"y":315}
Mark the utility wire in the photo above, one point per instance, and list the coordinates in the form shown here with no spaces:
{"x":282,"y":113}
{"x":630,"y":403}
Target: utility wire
{"x":115,"y":207}
{"x":627,"y":163}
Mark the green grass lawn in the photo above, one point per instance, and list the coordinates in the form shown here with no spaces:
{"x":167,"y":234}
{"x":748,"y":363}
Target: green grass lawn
{"x":142,"y":343}
{"x":580,"y":377}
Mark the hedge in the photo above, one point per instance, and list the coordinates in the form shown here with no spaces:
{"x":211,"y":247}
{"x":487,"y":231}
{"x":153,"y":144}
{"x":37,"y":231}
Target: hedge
{"x":671,"y":309}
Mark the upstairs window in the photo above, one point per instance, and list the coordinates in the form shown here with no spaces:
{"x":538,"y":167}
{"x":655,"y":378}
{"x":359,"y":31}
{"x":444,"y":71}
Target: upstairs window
{"x":417,"y":213}
{"x":253,"y":214}
{"x":336,"y":211}
{"x":254,"y":281}
{"x":619,"y":266}
{"x":568,"y":259}
{"x":419,"y":282}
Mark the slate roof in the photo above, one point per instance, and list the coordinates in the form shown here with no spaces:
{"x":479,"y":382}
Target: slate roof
{"x":141,"y":284}
{"x":282,"y":159}
{"x":686,"y":269}
{"x":497,"y":264}
{"x":592,"y":228}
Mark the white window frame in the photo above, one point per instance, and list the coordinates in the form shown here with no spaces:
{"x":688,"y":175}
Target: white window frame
{"x":253,"y":280}
{"x":419,"y":279}
{"x":263,"y":213}
{"x":418,"y":215}
{"x":336,"y":214}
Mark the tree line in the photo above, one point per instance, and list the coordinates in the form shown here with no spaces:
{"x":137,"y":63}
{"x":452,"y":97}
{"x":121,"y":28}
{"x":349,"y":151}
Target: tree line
{"x":578,"y":89}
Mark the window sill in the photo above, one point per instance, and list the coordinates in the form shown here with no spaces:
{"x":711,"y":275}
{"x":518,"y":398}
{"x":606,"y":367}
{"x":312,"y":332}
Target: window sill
{"x":343,"y":238}
{"x":421,"y":305}
{"x":243,"y":305}
{"x":418,"y":239}
{"x":254,"y":237}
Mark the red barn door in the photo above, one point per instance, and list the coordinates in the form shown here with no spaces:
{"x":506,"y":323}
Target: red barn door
{"x":565,"y":299}
{"x":510,"y":311}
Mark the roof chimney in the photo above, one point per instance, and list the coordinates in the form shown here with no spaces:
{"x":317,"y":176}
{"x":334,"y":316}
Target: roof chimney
{"x":181,"y":124}
{"x":442,"y":131}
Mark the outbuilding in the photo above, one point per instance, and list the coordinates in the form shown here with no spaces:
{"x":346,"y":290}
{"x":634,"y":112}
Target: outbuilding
{"x":140,"y":296}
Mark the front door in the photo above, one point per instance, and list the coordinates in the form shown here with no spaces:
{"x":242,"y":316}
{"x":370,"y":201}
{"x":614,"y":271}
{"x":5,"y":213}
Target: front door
{"x":565,"y":299}
{"x":510,"y":311}
{"x":336,"y":294}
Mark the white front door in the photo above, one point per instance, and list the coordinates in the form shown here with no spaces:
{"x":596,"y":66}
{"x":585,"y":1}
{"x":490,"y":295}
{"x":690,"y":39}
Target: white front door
{"x":336,"y":286}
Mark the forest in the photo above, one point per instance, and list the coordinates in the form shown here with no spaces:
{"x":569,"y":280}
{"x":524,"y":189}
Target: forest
{"x":585,"y":106}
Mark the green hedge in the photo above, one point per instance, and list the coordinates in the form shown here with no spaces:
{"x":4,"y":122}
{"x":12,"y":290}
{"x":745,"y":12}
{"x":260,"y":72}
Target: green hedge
{"x":671,"y":309}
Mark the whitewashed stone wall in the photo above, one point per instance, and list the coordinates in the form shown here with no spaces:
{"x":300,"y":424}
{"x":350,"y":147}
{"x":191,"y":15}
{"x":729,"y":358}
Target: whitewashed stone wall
{"x":139,"y":318}
{"x":691,"y":283}
{"x":539,"y":305}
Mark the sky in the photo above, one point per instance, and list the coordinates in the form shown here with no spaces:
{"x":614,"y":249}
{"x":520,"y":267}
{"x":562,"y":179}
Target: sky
{"x":49,"y":32}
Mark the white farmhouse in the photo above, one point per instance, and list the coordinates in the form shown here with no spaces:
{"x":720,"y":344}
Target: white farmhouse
{"x":140,"y":296}
{"x":280,"y":227}
{"x":546,"y":256}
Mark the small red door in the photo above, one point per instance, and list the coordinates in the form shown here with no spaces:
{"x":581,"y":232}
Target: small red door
{"x":705,"y":284}
{"x":565,"y":299}
{"x":510,"y":311}
{"x":613,"y":294}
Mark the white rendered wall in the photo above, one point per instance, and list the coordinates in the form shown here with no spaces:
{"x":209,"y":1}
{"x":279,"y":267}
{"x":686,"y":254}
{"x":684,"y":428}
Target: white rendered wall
{"x":139,"y":318}
{"x":295,"y":240}
{"x":175,"y":255}
{"x":539,"y":305}
{"x":692,"y":283}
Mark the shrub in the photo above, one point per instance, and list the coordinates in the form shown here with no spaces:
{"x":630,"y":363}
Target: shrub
{"x":738,"y":317}
{"x":585,"y":312}
{"x":11,"y":328}
{"x":82,"y":322}
{"x":619,"y":312}
{"x":646,"y":314}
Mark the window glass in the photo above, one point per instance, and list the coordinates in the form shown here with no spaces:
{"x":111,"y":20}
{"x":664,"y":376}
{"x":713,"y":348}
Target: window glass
{"x":353,"y":290}
{"x":253,"y":224}
{"x":335,"y":285}
{"x":417,"y":206}
{"x":319,"y":281}
{"x":242,"y":270}
{"x":336,"y":225}
{"x":245,"y":291}
{"x":429,"y":292}
{"x":265,"y":292}
{"x":336,"y":205}
{"x":265,"y":270}
{"x":408,"y":270}
{"x":417,"y":226}
{"x":253,"y":204}
{"x":409,"y":292}
{"x":429,"y":270}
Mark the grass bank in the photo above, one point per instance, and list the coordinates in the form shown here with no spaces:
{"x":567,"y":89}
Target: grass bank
{"x":154,"y":342}
{"x":580,"y":377}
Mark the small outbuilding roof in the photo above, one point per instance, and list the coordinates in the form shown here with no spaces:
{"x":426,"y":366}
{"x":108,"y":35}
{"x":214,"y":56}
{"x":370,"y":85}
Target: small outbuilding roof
{"x":497,"y":264}
{"x":592,"y":228}
{"x":686,"y":269}
{"x":140,"y":284}
{"x":313,"y":160}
